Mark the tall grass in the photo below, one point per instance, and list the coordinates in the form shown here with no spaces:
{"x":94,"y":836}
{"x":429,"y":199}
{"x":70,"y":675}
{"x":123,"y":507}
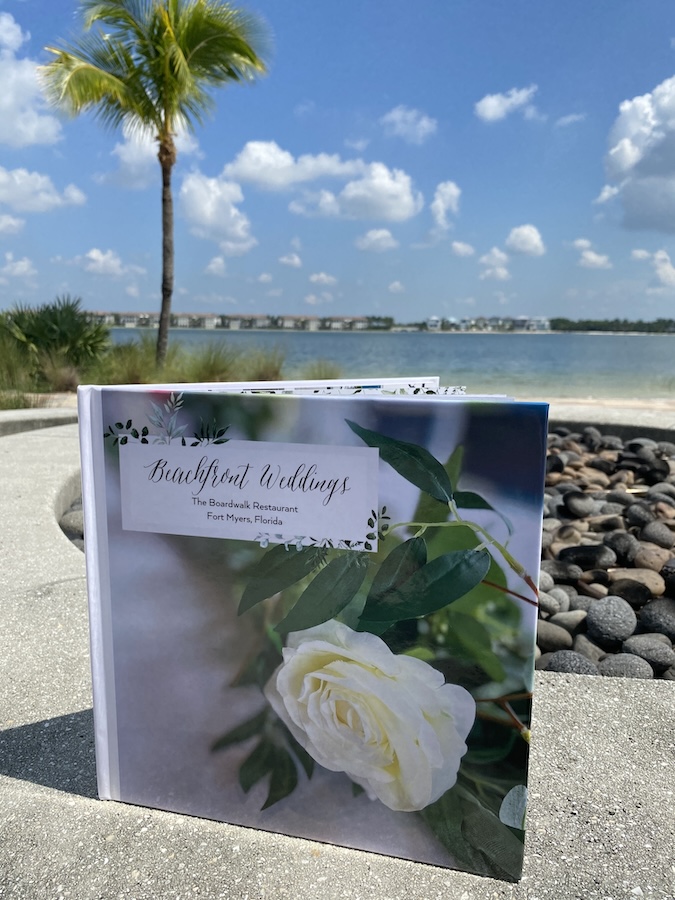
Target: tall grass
{"x":320,"y":370}
{"x":210,"y":362}
{"x":263,"y":365}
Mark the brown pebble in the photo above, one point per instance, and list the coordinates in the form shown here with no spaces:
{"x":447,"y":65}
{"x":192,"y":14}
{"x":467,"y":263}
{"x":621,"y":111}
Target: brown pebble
{"x":664,"y":511}
{"x":650,"y":556}
{"x":609,"y":522}
{"x":594,"y":590}
{"x":651,"y":580}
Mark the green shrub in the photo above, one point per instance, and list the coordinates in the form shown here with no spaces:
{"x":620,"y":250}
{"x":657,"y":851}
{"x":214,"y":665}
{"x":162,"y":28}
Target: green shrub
{"x":55,"y":341}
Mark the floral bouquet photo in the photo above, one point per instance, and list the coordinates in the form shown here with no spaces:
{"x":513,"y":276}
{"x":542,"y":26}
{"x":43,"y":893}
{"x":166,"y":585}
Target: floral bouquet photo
{"x":317,"y":614}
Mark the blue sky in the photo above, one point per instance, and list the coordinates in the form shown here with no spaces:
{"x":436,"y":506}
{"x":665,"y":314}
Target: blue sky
{"x":447,"y":157}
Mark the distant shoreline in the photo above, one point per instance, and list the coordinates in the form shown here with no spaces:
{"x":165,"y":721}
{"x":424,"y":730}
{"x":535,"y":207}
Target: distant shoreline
{"x":371,"y":331}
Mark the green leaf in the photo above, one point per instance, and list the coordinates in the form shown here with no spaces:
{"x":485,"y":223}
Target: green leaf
{"x":256,"y":765}
{"x":444,"y":818}
{"x":303,"y":757}
{"x":413,"y":462}
{"x":241,"y":732}
{"x":514,"y":807}
{"x":499,"y":846}
{"x":400,"y":564}
{"x":433,"y":586}
{"x":278,"y":569}
{"x":327,"y":594}
{"x":430,"y":510}
{"x":471,"y":500}
{"x":284,"y":777}
{"x":474,"y":639}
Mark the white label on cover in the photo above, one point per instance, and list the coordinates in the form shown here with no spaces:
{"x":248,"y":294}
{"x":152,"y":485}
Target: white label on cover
{"x":305,"y":494}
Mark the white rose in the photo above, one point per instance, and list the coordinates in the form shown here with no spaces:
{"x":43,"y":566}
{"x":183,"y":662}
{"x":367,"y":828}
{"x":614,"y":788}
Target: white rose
{"x":389,"y":722}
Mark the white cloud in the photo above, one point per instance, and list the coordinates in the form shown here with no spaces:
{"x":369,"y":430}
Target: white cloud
{"x":132,"y":290}
{"x":459,"y":248}
{"x":18,"y":268}
{"x":396,"y":288}
{"x":264,"y":278}
{"x":216,"y":266}
{"x":592,"y":260}
{"x":412,"y":125}
{"x":106,"y":262}
{"x":23,"y":120}
{"x":446,"y":199}
{"x":305,"y":108}
{"x":210,"y":206}
{"x":606,"y":194}
{"x":495,"y":265}
{"x":526,"y":239}
{"x":296,"y":243}
{"x":275,"y":292}
{"x":318,"y":299}
{"x":137,"y":156}
{"x":291,"y":259}
{"x":323,"y":278}
{"x":641,"y":159}
{"x":664,"y":271}
{"x":316,"y":203}
{"x":565,"y":121}
{"x":372,"y":189}
{"x":494,"y":107}
{"x":377,"y":240}
{"x":267,"y":165}
{"x":10,"y":224}
{"x":358,"y":144}
{"x":11,"y":36}
{"x":589,"y":258}
{"x":25,"y":191}
{"x":381,"y":193}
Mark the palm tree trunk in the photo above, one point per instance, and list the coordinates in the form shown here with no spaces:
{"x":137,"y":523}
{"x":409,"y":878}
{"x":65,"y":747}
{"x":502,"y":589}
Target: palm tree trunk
{"x":167,"y":158}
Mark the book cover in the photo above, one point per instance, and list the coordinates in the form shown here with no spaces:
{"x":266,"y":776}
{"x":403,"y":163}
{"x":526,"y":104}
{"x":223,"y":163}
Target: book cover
{"x":316,"y":615}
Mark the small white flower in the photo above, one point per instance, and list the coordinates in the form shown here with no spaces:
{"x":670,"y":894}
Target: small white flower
{"x":389,"y":722}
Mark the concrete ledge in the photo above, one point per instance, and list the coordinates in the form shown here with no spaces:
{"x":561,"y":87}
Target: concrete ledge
{"x":600,"y":826}
{"x":13,"y":421}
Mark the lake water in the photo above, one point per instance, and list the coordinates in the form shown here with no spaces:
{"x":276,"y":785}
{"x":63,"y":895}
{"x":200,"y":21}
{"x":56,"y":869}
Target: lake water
{"x":554,"y":365}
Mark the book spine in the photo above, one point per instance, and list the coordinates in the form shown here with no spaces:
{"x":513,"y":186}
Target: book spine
{"x":98,"y":591}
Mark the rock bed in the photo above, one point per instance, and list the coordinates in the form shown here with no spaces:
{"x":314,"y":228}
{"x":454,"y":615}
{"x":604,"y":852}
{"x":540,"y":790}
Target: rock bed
{"x":607,"y":580}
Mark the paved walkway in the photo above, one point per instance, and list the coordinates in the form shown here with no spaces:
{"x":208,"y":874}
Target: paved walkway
{"x":602,"y":813}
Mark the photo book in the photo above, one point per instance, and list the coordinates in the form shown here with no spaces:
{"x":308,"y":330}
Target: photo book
{"x":313,"y":609}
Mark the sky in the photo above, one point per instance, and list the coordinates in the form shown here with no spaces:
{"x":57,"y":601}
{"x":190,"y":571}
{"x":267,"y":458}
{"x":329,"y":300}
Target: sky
{"x":448,"y":157}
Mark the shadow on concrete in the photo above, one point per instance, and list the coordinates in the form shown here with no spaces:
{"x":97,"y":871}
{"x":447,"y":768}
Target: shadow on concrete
{"x":57,"y":753}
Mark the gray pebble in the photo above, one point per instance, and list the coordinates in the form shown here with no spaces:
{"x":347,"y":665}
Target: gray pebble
{"x":552,"y":637}
{"x":651,"y":648}
{"x":569,"y":661}
{"x":571,"y":621}
{"x":658,"y":533}
{"x":546,"y":581}
{"x":548,"y":605}
{"x":579,"y":504}
{"x":582,"y":644}
{"x":610,"y":621}
{"x":563,"y":598}
{"x":659,"y":616}
{"x":625,"y":665}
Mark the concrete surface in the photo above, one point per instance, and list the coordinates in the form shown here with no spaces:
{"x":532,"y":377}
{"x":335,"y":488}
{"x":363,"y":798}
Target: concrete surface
{"x":602,"y":780}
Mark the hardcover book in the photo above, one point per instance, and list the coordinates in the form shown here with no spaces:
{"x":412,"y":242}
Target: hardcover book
{"x":313,"y":609}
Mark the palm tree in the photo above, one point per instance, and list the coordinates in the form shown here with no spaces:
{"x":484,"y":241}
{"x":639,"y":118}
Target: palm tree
{"x":150,"y":66}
